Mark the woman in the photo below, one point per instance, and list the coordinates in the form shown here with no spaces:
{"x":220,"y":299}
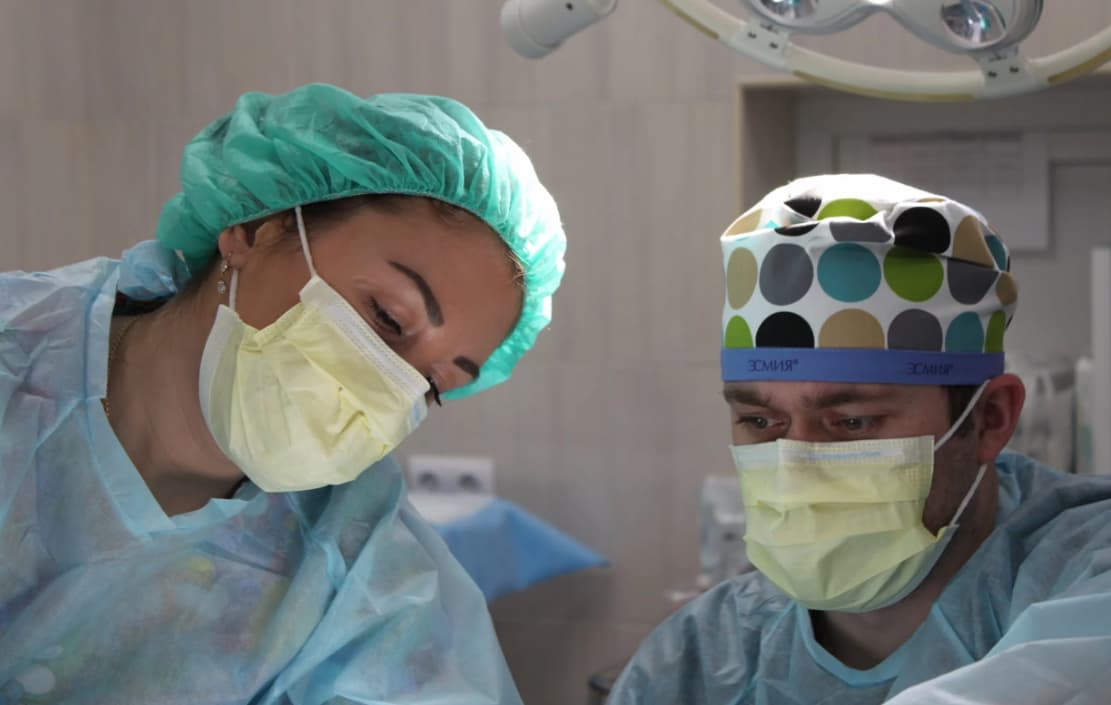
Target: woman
{"x":197,"y":504}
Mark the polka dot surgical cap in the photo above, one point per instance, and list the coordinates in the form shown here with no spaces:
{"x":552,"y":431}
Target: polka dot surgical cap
{"x":857,"y":278}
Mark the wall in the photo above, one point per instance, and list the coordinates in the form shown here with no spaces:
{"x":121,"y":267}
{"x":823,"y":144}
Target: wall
{"x":609,"y":426}
{"x":1054,"y":315}
{"x":1067,"y":172}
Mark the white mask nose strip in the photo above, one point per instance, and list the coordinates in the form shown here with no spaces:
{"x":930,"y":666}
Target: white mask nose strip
{"x":412,"y":383}
{"x":337,"y":310}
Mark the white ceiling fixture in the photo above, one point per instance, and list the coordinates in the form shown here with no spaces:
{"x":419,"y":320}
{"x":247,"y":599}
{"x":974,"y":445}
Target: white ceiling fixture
{"x":989,"y":32}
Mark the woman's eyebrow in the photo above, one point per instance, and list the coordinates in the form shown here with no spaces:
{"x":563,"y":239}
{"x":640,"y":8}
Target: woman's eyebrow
{"x":431,"y":304}
{"x":467,"y":365}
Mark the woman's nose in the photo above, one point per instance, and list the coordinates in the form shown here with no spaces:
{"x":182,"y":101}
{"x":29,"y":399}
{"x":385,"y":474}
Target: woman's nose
{"x":438,"y":365}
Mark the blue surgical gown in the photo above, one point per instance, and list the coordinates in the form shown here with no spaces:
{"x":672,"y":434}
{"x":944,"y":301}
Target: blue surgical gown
{"x":336,"y":595}
{"x":1029,"y":616}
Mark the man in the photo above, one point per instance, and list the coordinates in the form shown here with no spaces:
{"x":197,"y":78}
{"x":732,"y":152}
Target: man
{"x":897,"y":543}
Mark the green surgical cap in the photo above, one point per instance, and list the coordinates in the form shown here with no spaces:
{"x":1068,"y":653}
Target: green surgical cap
{"x":319,"y":143}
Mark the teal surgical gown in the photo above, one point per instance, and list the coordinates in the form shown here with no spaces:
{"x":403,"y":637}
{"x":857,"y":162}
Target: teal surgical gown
{"x":1027,"y":620}
{"x":336,"y":595}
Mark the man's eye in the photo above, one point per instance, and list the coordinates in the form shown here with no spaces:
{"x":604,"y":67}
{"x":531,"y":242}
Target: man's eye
{"x":758,"y":423}
{"x":855,"y":423}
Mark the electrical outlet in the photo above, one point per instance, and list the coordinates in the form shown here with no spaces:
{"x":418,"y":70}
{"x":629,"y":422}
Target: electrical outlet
{"x":451,"y":474}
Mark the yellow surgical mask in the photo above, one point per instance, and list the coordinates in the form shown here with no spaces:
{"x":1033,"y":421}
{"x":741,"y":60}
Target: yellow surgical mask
{"x":838,"y":526}
{"x":314,"y":398}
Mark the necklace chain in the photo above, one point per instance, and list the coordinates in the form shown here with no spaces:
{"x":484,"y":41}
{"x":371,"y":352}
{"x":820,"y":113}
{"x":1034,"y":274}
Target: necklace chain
{"x":112,"y":351}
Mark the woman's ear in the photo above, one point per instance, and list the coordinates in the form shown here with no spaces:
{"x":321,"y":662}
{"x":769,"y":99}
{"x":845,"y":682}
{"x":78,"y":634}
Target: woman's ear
{"x":997,"y":412}
{"x":234,"y":244}
{"x":237,"y":242}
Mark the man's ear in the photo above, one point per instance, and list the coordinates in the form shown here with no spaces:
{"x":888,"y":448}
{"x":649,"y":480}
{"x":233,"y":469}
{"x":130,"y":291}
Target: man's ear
{"x":997,"y":415}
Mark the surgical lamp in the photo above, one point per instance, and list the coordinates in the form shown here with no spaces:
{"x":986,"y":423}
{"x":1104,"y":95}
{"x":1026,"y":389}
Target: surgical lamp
{"x":989,"y":32}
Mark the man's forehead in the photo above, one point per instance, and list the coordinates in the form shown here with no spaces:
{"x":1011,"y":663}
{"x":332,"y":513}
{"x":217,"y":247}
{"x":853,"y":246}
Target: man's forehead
{"x":816,"y":393}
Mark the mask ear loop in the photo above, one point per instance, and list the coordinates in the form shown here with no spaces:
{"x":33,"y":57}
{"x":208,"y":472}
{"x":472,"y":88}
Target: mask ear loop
{"x":971,"y":493}
{"x":964,"y":415}
{"x":983,"y":468}
{"x":304,"y":239}
{"x":234,"y":288}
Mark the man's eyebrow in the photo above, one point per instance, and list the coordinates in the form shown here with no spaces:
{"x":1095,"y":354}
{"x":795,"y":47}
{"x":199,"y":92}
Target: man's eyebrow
{"x":431,"y":305}
{"x":467,"y":365}
{"x":735,"y":395}
{"x":836,"y":397}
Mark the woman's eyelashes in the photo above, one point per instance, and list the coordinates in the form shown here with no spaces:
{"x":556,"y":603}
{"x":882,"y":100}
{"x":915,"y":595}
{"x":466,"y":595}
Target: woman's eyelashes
{"x":385,"y":319}
{"x":434,"y":391}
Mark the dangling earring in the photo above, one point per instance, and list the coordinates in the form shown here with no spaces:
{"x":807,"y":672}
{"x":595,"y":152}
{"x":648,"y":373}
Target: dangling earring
{"x":221,"y":285}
